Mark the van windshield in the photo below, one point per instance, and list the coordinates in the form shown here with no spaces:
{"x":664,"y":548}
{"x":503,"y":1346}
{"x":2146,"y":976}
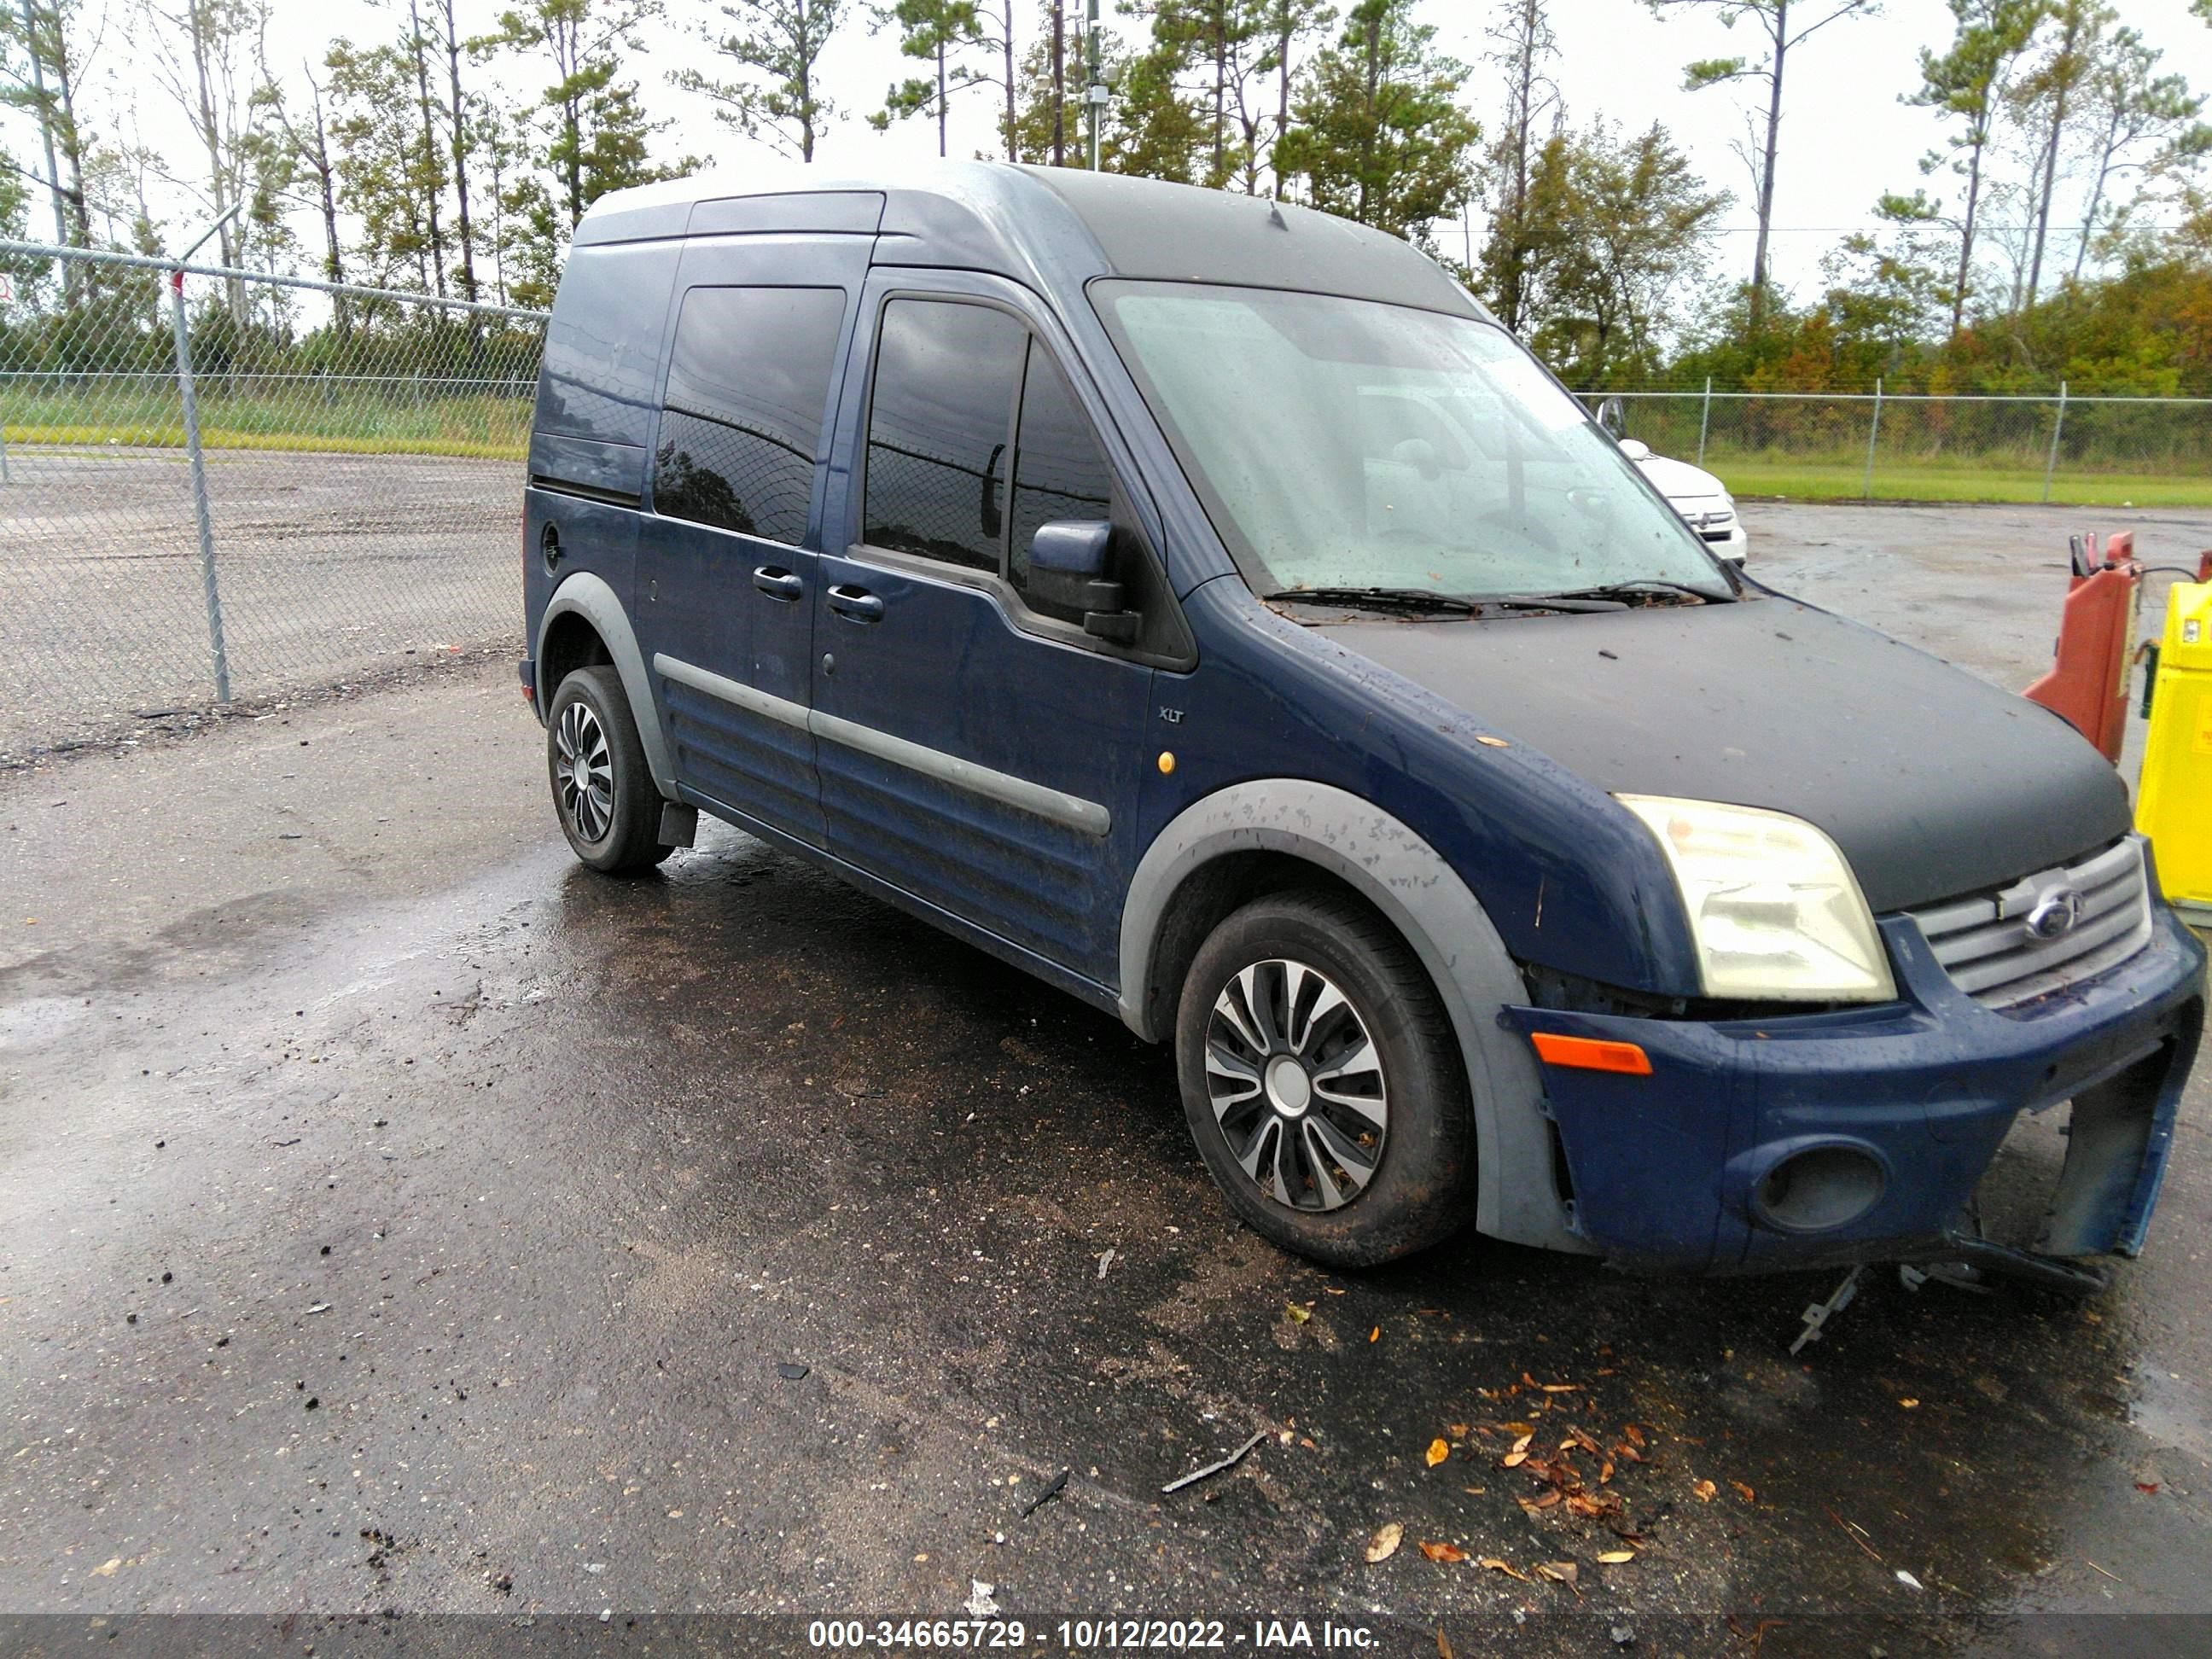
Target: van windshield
{"x":1347,"y":444}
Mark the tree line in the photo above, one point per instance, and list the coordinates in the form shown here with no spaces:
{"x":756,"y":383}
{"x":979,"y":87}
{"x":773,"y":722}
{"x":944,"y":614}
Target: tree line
{"x":2059,"y":228}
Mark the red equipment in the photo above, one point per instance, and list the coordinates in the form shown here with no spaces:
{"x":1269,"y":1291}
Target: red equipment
{"x":2087,"y":684}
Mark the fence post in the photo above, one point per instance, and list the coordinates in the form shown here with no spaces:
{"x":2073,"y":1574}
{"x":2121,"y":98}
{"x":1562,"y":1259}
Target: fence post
{"x":1874,"y":433}
{"x":2057,"y":426}
{"x":192,"y":411}
{"x":1704,"y":419}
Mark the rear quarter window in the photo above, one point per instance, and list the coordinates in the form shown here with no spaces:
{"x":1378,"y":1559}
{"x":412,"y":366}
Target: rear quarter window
{"x":603,"y":346}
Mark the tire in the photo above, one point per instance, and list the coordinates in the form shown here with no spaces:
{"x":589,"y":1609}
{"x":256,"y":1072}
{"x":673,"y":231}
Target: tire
{"x":614,"y":821}
{"x":1399,"y":1107}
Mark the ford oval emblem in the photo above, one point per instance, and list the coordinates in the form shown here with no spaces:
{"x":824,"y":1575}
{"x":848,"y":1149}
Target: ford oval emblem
{"x":2057,"y":914}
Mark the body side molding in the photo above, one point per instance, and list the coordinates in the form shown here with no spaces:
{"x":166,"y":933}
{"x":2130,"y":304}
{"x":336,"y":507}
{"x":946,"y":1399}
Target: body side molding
{"x":1054,"y":805}
{"x":1410,"y":883}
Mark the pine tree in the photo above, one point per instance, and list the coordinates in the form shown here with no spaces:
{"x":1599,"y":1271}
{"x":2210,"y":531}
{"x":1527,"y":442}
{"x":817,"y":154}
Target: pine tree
{"x":1379,"y":134}
{"x":777,"y":45}
{"x":1967,"y":83}
{"x":1786,"y":25}
{"x":937,"y":32}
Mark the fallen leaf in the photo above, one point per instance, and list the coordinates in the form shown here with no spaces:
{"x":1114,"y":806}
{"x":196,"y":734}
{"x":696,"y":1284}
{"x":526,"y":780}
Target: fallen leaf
{"x":1444,"y":1645}
{"x":1908,"y":1580}
{"x":1438,"y":1451}
{"x":1375,"y":1335}
{"x":1615,"y":1558}
{"x":1505,"y":1567}
{"x":1529,"y":1428}
{"x":1910,"y":1405}
{"x":1581,"y":1437}
{"x":1384,"y":1544}
{"x":1298,"y":1316}
{"x":1443,"y":1552}
{"x":1563,"y":1572}
{"x":1744,"y":1491}
{"x":1458,"y":1430}
{"x":1474,"y":1491}
{"x":1493,"y":743}
{"x":1562,"y":1387}
{"x":2150,"y":1487}
{"x":1604,"y":1471}
{"x":1633,"y":1435}
{"x":1534,"y":1504}
{"x":1705,"y":1491}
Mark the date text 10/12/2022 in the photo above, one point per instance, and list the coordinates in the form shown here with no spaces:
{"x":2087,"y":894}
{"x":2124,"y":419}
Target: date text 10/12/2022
{"x":1090,"y":1635}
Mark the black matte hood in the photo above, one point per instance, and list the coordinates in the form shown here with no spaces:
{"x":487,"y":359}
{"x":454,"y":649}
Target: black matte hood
{"x":1933,"y":782}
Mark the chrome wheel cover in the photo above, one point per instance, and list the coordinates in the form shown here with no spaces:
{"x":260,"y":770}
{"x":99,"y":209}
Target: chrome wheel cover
{"x":583,"y":772}
{"x":1296,"y":1086}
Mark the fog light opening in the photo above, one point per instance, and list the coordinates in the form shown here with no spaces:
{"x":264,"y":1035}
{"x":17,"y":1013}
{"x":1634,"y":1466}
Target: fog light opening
{"x":1820,"y":1189}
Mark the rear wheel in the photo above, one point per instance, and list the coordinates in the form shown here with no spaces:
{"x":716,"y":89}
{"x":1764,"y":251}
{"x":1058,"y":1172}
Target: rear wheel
{"x":603,"y":793}
{"x":1323,"y":1083}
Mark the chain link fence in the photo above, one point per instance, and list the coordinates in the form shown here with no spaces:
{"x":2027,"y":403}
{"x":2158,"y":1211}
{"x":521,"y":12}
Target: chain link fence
{"x":1876,"y":446}
{"x":220,"y":486}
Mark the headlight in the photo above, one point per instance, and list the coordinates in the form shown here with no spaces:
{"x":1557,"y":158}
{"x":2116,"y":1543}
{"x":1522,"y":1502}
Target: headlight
{"x":1774,"y":910}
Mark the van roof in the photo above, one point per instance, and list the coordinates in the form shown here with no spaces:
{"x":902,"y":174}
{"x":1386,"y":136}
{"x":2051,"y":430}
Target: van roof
{"x":1048,"y":226}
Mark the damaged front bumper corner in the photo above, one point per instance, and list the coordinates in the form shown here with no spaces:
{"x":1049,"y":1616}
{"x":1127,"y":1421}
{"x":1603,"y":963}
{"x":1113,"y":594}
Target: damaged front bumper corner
{"x":1863,"y":1135}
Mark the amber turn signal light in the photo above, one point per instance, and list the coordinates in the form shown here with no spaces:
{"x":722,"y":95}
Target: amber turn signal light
{"x":1591,"y":1054}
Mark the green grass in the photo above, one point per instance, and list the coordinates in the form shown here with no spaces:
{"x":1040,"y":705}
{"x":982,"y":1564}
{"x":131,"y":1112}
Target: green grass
{"x":304,"y":421}
{"x":1812,"y":482}
{"x":219,"y":437}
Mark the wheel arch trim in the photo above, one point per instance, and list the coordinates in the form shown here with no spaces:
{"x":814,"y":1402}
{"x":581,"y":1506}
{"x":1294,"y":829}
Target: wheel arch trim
{"x":1434,"y":911}
{"x":588,"y":595}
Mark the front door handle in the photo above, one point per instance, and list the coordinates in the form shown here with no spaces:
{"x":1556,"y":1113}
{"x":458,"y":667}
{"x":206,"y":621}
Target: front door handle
{"x":778,"y":584}
{"x":856,"y":603}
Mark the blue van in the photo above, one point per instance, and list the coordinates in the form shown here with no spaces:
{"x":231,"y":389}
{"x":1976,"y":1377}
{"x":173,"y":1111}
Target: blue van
{"x":1204,"y":605}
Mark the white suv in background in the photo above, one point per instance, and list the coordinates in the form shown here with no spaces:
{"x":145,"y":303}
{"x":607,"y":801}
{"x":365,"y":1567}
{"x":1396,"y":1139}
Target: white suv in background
{"x":1701,"y":499}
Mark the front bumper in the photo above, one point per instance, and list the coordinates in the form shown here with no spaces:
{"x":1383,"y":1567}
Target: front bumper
{"x":1666,"y":1170}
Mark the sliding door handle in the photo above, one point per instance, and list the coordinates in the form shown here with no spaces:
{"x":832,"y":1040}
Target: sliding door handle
{"x":778,"y":583}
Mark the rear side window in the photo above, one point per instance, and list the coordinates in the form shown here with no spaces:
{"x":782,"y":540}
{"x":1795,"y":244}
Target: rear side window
{"x":748,"y":379}
{"x":939,"y":431}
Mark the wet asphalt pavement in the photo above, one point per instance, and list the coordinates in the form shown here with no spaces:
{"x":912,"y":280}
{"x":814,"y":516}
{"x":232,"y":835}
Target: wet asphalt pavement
{"x":398,"y":1217}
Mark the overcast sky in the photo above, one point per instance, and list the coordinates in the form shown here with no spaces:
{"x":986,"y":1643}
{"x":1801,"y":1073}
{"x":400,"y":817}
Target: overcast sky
{"x":1845,"y":136}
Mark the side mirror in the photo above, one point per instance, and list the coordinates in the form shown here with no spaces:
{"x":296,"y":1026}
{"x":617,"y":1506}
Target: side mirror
{"x":1636,"y":449}
{"x":1612,"y":416}
{"x":1069,"y":559}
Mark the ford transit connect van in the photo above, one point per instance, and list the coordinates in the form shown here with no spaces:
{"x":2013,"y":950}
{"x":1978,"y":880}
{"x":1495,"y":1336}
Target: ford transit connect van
{"x":1204,"y":605}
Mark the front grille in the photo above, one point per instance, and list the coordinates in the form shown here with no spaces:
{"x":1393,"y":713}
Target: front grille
{"x":1987,"y":947}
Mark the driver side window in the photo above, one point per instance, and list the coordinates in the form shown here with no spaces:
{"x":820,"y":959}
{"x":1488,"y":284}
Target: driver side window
{"x":975,"y":440}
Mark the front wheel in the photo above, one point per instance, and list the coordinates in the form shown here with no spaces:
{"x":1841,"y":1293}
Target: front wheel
{"x":602,"y":792}
{"x":1323,"y":1083}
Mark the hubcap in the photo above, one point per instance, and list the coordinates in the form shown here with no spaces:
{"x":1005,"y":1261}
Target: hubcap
{"x":1296,"y":1086}
{"x":583,"y":772}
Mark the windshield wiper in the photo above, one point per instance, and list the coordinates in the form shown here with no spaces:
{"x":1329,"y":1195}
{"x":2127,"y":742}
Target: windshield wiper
{"x":1643,"y":588}
{"x":1382,"y":599}
{"x":1413,"y":600}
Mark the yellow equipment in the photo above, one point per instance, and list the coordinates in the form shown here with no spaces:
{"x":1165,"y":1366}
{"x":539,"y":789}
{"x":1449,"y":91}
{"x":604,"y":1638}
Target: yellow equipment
{"x":2173,"y":800}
